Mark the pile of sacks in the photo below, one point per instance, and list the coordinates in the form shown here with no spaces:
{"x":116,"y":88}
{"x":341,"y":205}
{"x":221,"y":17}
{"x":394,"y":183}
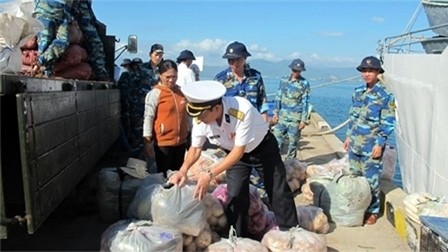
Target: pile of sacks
{"x":343,"y":196}
{"x":158,"y":210}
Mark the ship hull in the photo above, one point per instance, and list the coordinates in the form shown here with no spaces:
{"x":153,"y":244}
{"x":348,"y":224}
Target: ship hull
{"x":419,"y":83}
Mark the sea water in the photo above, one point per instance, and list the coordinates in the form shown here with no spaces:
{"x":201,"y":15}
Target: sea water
{"x":332,"y":100}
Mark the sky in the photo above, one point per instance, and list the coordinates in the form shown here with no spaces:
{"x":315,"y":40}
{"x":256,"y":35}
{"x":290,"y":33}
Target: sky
{"x":320,"y":32}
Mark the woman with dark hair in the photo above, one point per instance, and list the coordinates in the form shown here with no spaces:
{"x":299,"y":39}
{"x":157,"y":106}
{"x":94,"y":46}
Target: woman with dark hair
{"x":165,"y":123}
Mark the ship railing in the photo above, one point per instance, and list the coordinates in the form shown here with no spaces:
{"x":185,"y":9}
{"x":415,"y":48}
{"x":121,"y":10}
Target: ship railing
{"x":405,"y":43}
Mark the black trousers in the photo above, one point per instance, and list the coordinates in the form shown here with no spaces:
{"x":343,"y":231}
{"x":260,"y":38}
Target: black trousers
{"x":169,"y":157}
{"x":268,"y":162}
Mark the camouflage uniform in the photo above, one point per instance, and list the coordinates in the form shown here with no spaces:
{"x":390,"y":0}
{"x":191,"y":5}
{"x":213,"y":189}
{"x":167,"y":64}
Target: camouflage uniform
{"x":372,"y":120}
{"x":82,"y":10}
{"x":124,"y":84}
{"x":138,"y":88}
{"x":252,"y":87}
{"x":56,"y":15}
{"x":153,"y":73}
{"x":53,"y":40}
{"x":291,"y":105}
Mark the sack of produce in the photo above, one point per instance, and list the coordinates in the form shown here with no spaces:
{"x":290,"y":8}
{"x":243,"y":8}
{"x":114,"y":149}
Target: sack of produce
{"x":296,"y":239}
{"x":136,"y":236}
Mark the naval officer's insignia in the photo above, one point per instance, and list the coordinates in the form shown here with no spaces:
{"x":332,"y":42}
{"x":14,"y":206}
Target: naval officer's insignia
{"x":236,"y":113}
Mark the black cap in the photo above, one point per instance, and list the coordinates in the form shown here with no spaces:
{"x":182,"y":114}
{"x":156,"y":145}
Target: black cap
{"x":184,"y":55}
{"x":371,"y":63}
{"x":156,"y":48}
{"x":236,"y":50}
{"x":298,"y":65}
{"x":137,"y":61}
{"x":125,"y":62}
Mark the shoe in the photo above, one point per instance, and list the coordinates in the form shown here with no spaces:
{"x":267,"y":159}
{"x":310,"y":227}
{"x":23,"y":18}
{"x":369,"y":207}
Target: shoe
{"x":370,"y":219}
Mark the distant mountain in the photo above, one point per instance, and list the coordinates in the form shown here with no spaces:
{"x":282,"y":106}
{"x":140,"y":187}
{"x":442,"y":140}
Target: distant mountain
{"x":275,"y":70}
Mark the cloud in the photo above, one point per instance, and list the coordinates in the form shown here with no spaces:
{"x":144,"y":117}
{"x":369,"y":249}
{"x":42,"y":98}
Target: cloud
{"x":213,"y":49}
{"x":378,"y":19}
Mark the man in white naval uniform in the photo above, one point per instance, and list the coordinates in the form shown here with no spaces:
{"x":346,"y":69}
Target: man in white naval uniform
{"x":235,"y":125}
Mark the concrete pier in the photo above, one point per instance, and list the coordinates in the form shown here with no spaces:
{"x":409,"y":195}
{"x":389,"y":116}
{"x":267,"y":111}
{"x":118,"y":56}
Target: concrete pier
{"x":384,"y":235}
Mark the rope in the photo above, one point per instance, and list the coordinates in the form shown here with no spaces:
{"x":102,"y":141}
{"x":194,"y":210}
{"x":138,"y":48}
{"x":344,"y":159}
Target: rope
{"x":329,"y":131}
{"x":324,"y":85}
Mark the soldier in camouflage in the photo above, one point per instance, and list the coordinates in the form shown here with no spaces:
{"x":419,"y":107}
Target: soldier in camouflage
{"x":241,"y":80}
{"x":53,"y":40}
{"x":152,"y":66}
{"x":291,"y":108}
{"x":124,"y":83}
{"x":139,"y":87}
{"x":82,"y":10}
{"x":372,"y":120}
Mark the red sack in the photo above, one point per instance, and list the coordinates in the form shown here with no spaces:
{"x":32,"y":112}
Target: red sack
{"x":74,"y":55}
{"x":75,"y":34}
{"x":30,"y":44}
{"x":29,"y":57}
{"x":82,"y":71}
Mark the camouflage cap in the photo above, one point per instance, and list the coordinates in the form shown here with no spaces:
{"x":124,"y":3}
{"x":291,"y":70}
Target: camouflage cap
{"x":236,"y":50}
{"x":297,"y":65}
{"x":370,"y":62}
{"x":125,"y":62}
{"x":137,"y":61}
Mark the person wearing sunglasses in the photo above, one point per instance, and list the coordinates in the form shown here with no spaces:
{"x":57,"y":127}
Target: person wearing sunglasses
{"x":242,"y":80}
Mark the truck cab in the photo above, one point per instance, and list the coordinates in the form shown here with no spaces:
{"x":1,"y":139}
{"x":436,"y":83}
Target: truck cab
{"x":53,"y":132}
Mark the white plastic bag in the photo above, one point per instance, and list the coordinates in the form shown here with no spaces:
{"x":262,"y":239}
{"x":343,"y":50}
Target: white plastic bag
{"x":344,"y":197}
{"x":235,"y":243}
{"x":136,"y":236}
{"x":296,"y":239}
{"x":140,"y":207}
{"x":17,"y":26}
{"x":176,"y":207}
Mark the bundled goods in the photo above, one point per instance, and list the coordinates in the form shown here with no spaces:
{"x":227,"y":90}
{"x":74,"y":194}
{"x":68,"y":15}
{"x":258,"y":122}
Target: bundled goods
{"x":294,"y":240}
{"x":418,"y":204}
{"x":313,"y":219}
{"x":176,"y":207}
{"x":201,"y":241}
{"x":116,"y":190}
{"x":307,"y":193}
{"x":133,"y":235}
{"x":140,"y":207}
{"x":260,"y":219}
{"x":214,"y":210}
{"x":75,"y":34}
{"x":235,"y":243}
{"x":331,"y":168}
{"x":344,"y":198}
{"x":209,"y":159}
{"x":421,"y":204}
{"x":17,"y":27}
{"x":29,"y":55}
{"x":295,"y":173}
{"x":73,"y":65}
{"x":220,"y":193}
{"x":74,"y":55}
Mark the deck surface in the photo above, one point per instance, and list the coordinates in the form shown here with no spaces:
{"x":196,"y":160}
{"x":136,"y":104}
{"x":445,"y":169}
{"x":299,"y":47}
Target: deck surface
{"x":378,"y":237}
{"x":71,"y":228}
